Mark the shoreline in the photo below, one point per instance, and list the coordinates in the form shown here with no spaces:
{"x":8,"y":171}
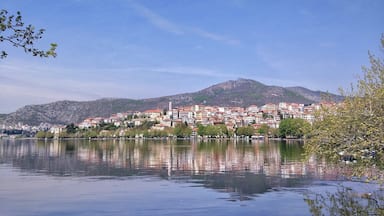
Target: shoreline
{"x":161,"y":138}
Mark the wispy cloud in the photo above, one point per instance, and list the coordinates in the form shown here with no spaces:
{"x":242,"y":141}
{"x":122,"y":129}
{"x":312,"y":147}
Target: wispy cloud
{"x":153,"y":71}
{"x":50,"y":83}
{"x":213,"y":36}
{"x":193,"y":71}
{"x":58,"y":83}
{"x":157,"y":20}
{"x":274,"y":61}
{"x":303,"y":71}
{"x":171,"y":27}
{"x":23,"y":82}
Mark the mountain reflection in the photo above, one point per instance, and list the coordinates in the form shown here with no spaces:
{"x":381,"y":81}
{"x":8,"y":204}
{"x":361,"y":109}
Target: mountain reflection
{"x":242,"y":169}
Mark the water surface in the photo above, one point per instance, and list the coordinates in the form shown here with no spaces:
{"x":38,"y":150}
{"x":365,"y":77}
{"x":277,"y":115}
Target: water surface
{"x":141,"y":177}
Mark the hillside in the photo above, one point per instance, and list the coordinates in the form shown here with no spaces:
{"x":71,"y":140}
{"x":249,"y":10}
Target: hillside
{"x":313,"y":95}
{"x":241,"y":92}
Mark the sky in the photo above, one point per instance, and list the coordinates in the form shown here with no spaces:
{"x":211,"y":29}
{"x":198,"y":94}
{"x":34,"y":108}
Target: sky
{"x":148,"y":48}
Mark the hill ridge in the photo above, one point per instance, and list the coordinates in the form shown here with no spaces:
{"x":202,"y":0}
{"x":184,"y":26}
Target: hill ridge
{"x":240,"y":92}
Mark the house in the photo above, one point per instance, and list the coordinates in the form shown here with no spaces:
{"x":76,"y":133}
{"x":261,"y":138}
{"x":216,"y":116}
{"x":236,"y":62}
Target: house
{"x":154,"y":114}
{"x":90,"y":122}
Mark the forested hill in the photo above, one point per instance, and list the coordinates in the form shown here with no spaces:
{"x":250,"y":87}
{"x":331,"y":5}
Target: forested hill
{"x":241,"y":92}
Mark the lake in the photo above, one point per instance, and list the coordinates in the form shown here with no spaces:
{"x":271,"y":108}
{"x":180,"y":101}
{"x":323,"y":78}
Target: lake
{"x":167,"y":177}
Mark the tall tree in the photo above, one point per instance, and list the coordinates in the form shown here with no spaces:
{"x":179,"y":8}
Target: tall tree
{"x":14,"y":31}
{"x":355,"y":127}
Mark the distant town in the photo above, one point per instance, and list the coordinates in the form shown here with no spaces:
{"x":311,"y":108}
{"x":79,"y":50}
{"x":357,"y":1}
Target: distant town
{"x":269,"y":115}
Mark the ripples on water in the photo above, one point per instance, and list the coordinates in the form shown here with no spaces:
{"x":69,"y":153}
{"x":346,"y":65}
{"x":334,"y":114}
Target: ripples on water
{"x":120,"y":177}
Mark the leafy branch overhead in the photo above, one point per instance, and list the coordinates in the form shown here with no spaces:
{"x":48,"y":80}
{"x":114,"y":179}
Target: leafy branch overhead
{"x":14,"y":31}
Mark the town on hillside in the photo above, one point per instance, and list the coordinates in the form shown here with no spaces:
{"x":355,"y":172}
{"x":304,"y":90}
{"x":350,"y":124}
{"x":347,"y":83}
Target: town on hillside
{"x":269,"y":115}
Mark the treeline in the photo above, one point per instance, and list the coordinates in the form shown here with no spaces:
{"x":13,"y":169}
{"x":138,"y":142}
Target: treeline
{"x":289,"y":128}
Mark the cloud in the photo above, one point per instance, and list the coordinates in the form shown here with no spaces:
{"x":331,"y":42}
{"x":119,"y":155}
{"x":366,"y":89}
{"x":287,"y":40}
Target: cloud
{"x":193,"y":71}
{"x":51,"y":83}
{"x":171,"y":27}
{"x":175,"y":70}
{"x":157,"y":20}
{"x":306,"y":71}
{"x":274,"y":61}
{"x":214,"y":37}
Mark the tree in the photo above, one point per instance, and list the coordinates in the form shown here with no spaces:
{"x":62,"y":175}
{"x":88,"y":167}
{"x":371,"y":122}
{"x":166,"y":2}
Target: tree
{"x":295,"y":128}
{"x":182,"y":131}
{"x":245,"y":131}
{"x":44,"y":134}
{"x":91,"y":133}
{"x":201,"y":130}
{"x":71,"y":128}
{"x":40,"y":135}
{"x":355,"y":127}
{"x":107,"y":126}
{"x":146,"y":125}
{"x":14,"y":31}
{"x":49,"y":135}
{"x":219,"y":130}
{"x":264,"y":129}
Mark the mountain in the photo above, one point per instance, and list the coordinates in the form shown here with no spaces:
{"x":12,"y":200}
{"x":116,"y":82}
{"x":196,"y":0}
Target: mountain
{"x":241,"y":92}
{"x":314,"y":95}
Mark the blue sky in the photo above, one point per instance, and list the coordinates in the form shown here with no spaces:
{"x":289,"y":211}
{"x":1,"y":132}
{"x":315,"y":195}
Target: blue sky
{"x":149,"y":48}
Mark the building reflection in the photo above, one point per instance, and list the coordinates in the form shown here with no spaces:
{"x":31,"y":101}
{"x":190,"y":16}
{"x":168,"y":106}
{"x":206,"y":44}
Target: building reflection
{"x":239,"y":168}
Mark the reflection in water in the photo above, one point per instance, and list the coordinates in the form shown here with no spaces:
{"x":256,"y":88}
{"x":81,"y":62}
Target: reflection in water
{"x":241,"y":169}
{"x":347,"y":201}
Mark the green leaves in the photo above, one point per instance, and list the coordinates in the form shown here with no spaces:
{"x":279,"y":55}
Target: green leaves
{"x":44,"y":134}
{"x":14,"y":31}
{"x":356,"y":126}
{"x":264,"y":129}
{"x":182,"y":131}
{"x":293,"y":128}
{"x":212,"y":130}
{"x":245,"y":131}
